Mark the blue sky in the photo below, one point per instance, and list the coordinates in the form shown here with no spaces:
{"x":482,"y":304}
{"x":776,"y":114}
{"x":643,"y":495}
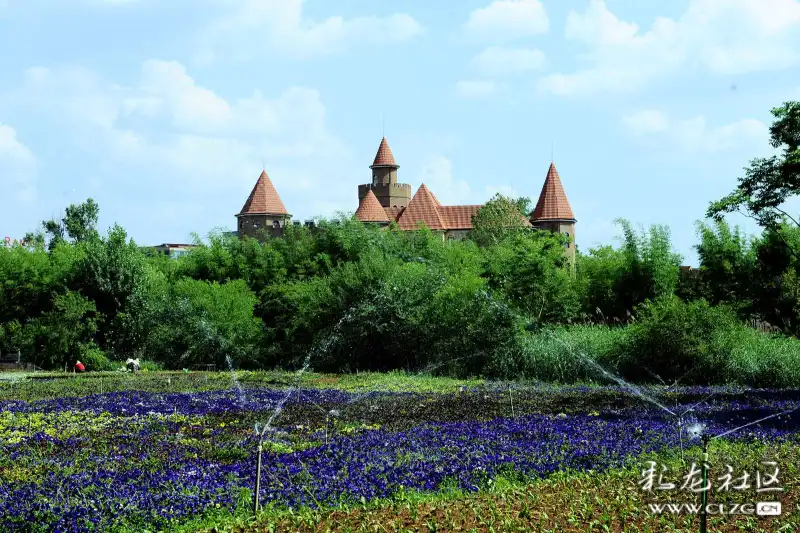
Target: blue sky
{"x":164,"y":111}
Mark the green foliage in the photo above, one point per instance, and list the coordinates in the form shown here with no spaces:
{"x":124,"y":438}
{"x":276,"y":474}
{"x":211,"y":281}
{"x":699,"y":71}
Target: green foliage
{"x":529,"y":270}
{"x":57,"y":336}
{"x":202,"y":322}
{"x":614,"y":281}
{"x":728,"y":263}
{"x":563,"y":355}
{"x":78,"y":224}
{"x":348,"y":296}
{"x":678,"y":340}
{"x":769,"y":182}
{"x":110,"y":274}
{"x":499,"y":218}
{"x":94,"y":359}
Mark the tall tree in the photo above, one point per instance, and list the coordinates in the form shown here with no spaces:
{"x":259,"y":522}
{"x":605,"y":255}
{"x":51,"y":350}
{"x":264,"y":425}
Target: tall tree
{"x":79,"y":224}
{"x":498,"y":218}
{"x":769,"y":181}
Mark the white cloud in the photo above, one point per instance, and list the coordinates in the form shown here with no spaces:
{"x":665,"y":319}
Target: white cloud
{"x":17,"y":166}
{"x":508,"y":19}
{"x":280,"y":25}
{"x":166,"y":121}
{"x":437,"y":174}
{"x":646,"y":121}
{"x":473,"y":89}
{"x":720,"y":36}
{"x":499,"y":61}
{"x":696,"y":135}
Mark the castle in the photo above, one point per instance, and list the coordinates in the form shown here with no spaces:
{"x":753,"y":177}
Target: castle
{"x":385,"y":200}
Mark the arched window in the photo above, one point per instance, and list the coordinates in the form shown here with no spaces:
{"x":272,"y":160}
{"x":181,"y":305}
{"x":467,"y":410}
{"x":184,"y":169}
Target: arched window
{"x":255,"y":223}
{"x":276,"y":224}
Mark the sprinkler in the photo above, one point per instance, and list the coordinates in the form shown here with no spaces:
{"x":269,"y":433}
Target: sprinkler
{"x":258,"y":480}
{"x":704,"y":495}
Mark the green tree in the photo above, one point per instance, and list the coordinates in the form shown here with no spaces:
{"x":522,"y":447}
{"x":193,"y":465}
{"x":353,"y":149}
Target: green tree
{"x":79,"y":224}
{"x":109,"y":274}
{"x":202,"y":322}
{"x":614,"y":281}
{"x":58,"y":336}
{"x":769,"y":181}
{"x":529,"y":270}
{"x":728,"y":265}
{"x":498,"y":218}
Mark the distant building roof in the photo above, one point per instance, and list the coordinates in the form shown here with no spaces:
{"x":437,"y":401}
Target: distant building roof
{"x":423,"y":207}
{"x":264,"y":199}
{"x":173,"y":245}
{"x":553,"y":203}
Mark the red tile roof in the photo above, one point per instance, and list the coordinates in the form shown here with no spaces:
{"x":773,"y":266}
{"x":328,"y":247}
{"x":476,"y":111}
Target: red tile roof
{"x":423,"y":207}
{"x":552,"y":204}
{"x":458,"y":216}
{"x":384,"y":157}
{"x":393,"y":212}
{"x":264,"y":199}
{"x":371,"y":210}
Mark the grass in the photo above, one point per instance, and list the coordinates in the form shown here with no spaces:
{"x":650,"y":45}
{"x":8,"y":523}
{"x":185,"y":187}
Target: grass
{"x":49,"y":385}
{"x":731,"y":354}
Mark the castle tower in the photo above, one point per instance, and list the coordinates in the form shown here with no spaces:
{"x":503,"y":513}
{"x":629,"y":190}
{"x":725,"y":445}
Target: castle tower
{"x":384,"y":184}
{"x":262,"y":211}
{"x":553,"y":213}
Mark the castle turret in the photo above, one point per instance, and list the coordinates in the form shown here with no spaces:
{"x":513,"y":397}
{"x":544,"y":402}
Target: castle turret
{"x":553,"y":213}
{"x":263,"y":210}
{"x":370,"y":210}
{"x":384,"y":184}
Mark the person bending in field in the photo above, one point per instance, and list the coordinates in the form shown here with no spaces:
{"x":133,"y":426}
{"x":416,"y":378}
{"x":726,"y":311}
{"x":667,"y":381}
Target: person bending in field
{"x":79,"y":367}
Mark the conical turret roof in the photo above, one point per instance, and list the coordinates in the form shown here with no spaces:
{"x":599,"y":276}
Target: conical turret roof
{"x":384,"y":157}
{"x":553,"y":203}
{"x":371,"y":210}
{"x":264,"y":199}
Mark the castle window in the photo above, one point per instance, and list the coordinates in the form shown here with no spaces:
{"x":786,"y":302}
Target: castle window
{"x":241,"y":223}
{"x":276,"y":224}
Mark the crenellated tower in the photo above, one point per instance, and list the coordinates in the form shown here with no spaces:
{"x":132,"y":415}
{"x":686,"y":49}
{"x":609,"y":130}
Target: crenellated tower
{"x":384,"y":184}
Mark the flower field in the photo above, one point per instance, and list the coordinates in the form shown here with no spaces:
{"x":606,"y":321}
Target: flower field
{"x":147,"y":460}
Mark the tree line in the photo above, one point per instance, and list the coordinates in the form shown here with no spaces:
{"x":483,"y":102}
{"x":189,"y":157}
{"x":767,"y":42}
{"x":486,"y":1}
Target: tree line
{"x":348,"y":296}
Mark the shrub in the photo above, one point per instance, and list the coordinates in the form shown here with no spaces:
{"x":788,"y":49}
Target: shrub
{"x":763,"y":360}
{"x":150,"y":366}
{"x":205,"y":323}
{"x":562,"y":354}
{"x":677,"y":340}
{"x":95,"y":359}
